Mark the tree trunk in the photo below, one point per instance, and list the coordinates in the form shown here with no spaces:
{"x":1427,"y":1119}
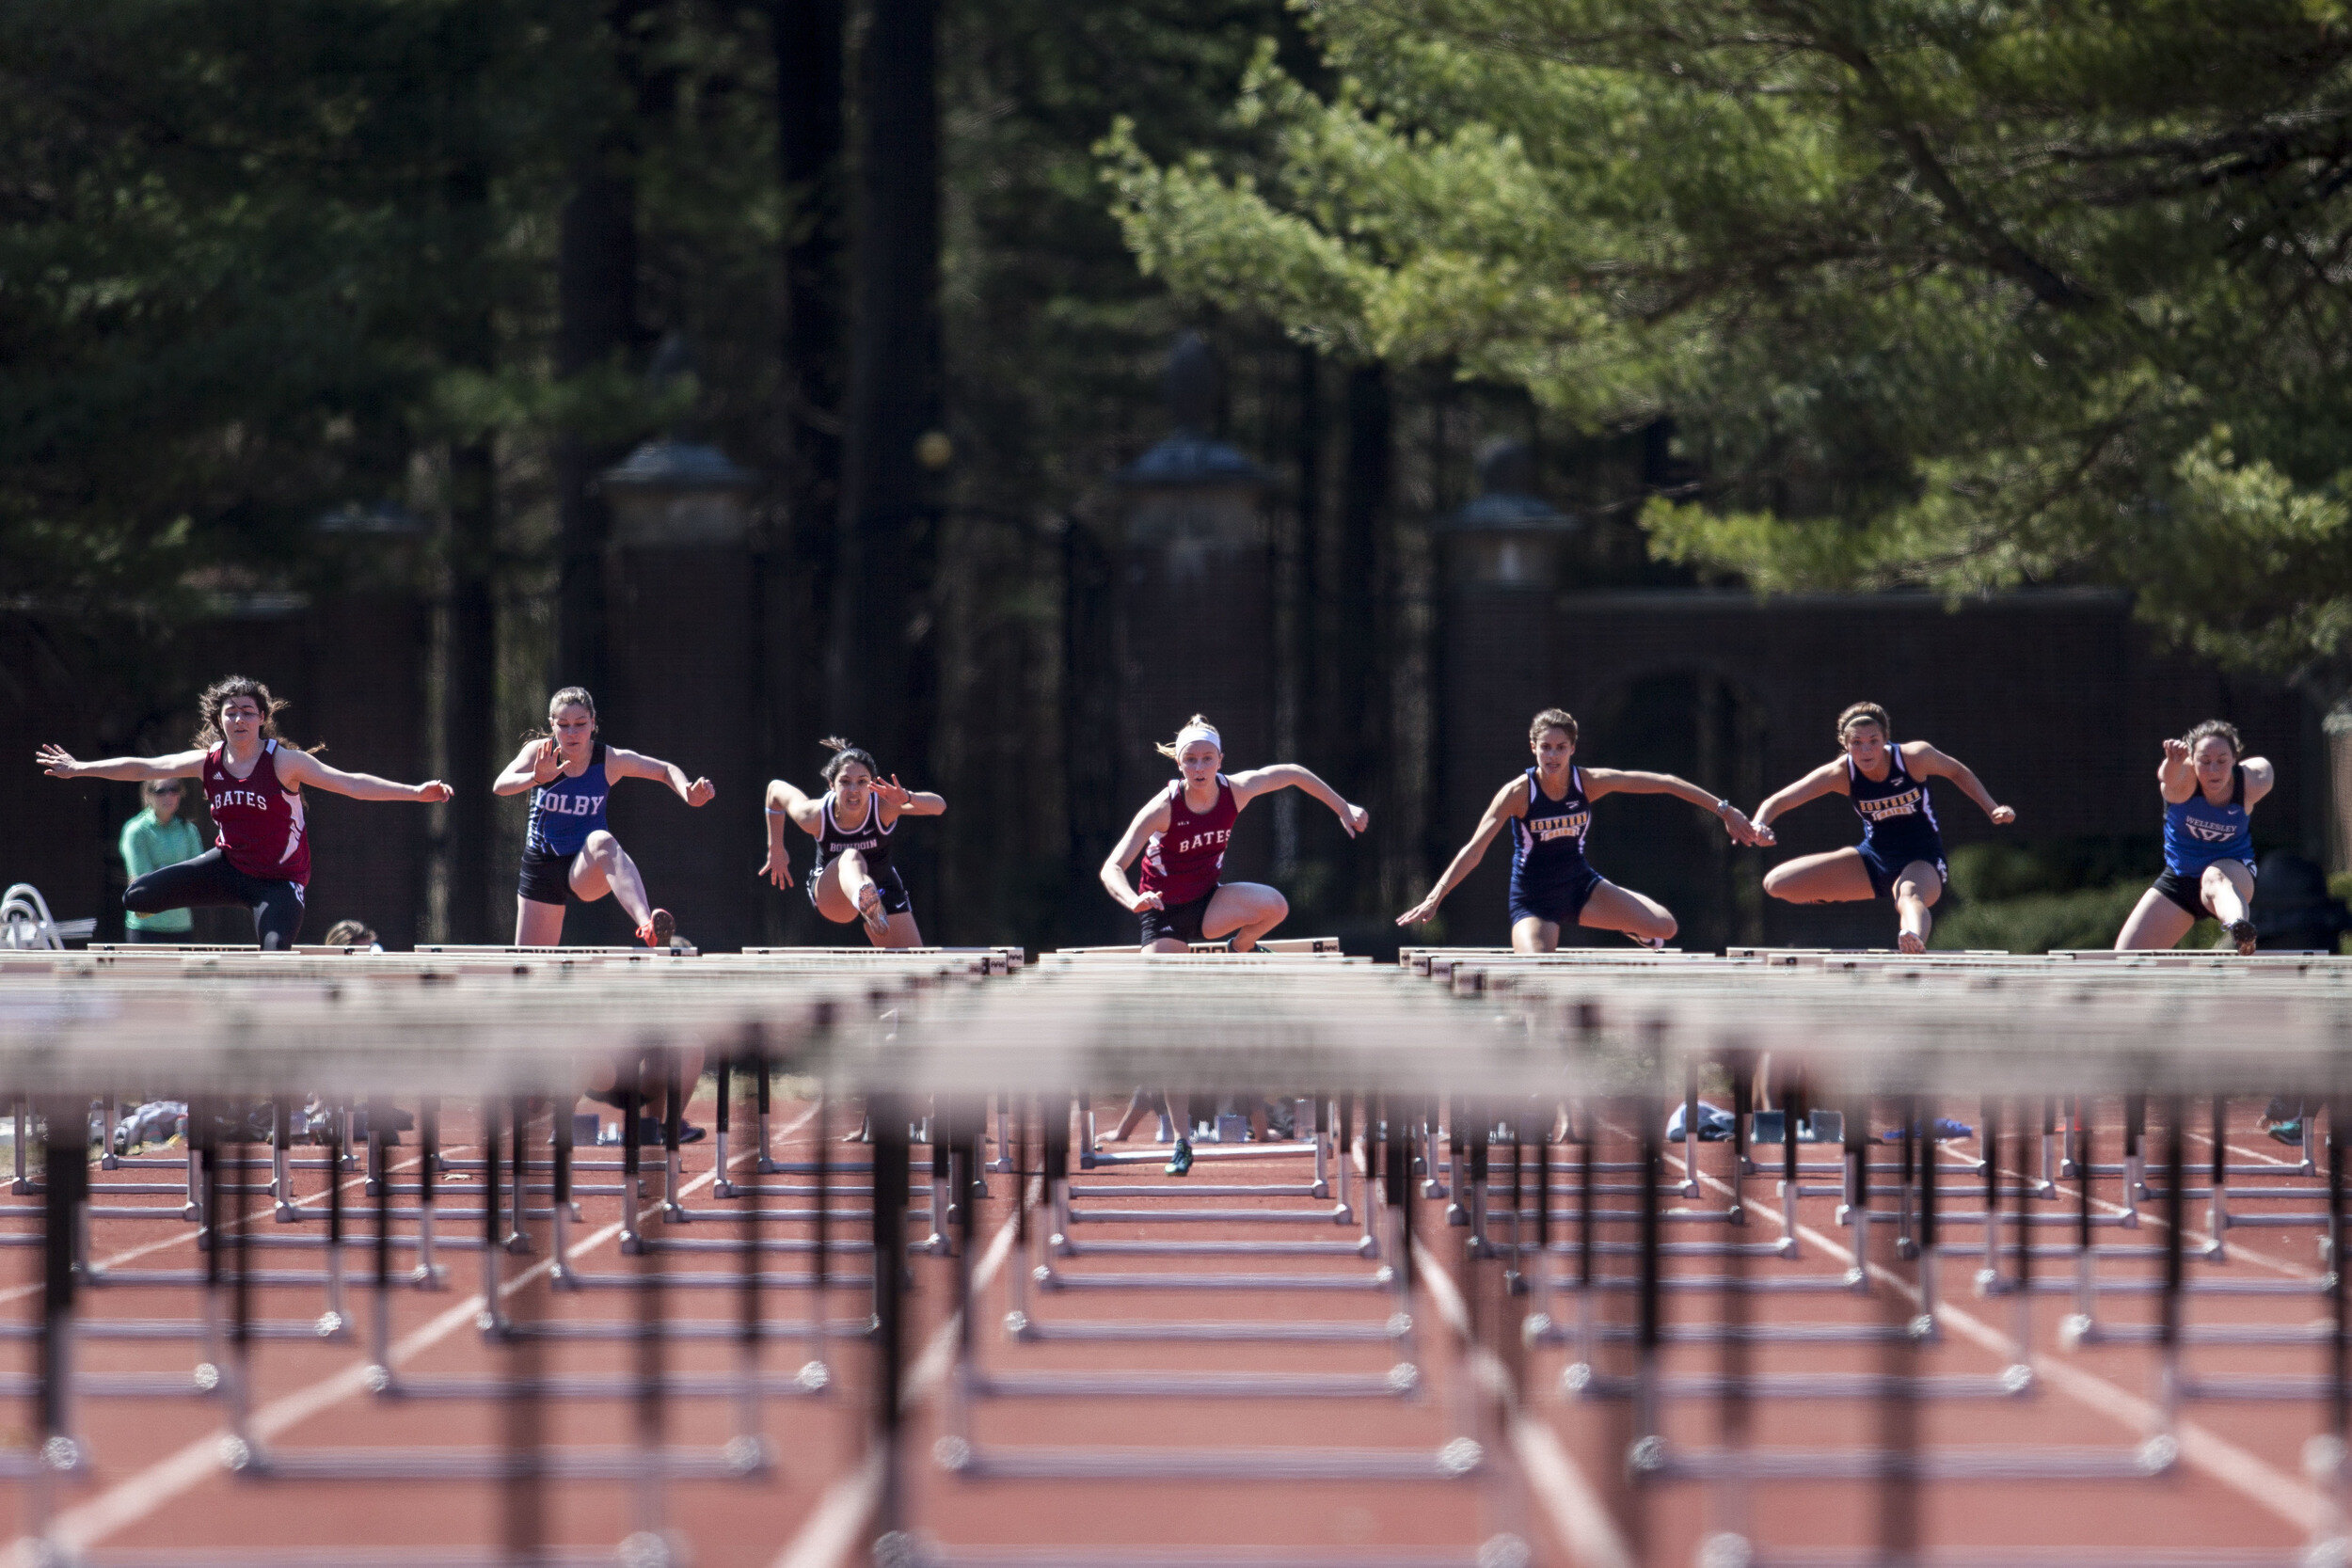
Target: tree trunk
{"x":1358,"y":655}
{"x":880,"y":686}
{"x":798,"y":570}
{"x":469,"y":689}
{"x":597,"y":327}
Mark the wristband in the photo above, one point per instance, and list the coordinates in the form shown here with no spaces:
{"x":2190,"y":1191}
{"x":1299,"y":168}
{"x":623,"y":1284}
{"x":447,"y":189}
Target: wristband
{"x":773,"y":812}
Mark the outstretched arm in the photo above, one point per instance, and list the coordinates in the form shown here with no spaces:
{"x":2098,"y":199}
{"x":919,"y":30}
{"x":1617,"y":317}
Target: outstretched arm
{"x":636,"y":764}
{"x":1921,"y":757}
{"x":58,"y":763}
{"x":1289,"y":775}
{"x":903,"y":802}
{"x":1151,"y":819}
{"x":1821,"y":781}
{"x":300,"y":769}
{"x":2176,"y":776}
{"x":1612,"y":781}
{"x":2259,"y":777}
{"x":1509,"y":801}
{"x":537,"y":763}
{"x":786,"y":803}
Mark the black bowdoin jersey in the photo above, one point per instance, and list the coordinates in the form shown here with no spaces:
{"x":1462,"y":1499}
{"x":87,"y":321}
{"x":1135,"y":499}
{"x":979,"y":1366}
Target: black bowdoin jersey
{"x":870,"y":839}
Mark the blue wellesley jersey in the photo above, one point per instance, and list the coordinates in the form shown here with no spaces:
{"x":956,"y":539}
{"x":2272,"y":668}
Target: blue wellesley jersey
{"x":2196,"y":833}
{"x":565,"y":811}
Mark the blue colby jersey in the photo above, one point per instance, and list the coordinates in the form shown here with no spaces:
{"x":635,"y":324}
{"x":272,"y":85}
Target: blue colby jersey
{"x":1897,"y":818}
{"x":2196,"y":833}
{"x":565,"y":811}
{"x":1548,"y":844}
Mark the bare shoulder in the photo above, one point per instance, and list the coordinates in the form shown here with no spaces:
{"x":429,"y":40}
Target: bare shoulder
{"x":1511,"y":799}
{"x":1922,"y":753}
{"x":2259,"y":777}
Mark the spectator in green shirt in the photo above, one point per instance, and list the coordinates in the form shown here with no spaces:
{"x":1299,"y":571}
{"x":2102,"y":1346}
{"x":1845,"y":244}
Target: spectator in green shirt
{"x":160,"y":836}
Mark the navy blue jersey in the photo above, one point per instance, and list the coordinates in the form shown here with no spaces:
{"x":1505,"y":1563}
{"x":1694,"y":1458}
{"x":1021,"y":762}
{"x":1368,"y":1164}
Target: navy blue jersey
{"x":1897,"y":821}
{"x":2196,"y":833}
{"x":870,"y":840}
{"x":1548,"y":844}
{"x":565,"y":811}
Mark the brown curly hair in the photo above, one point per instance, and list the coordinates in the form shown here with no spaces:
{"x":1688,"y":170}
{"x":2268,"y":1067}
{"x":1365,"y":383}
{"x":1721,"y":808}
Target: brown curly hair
{"x":216,"y":696}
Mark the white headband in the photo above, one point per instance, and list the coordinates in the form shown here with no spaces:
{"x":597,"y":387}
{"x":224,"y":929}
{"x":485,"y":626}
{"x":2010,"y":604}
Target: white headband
{"x":1191,"y":732}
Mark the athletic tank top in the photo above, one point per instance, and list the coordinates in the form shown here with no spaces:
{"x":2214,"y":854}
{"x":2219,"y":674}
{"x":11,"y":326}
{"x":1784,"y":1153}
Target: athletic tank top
{"x":2196,"y":833}
{"x":1182,"y":861}
{"x":565,"y":810}
{"x":1895,"y":811}
{"x":262,"y":830}
{"x":871,"y":839}
{"x":1549,"y":842}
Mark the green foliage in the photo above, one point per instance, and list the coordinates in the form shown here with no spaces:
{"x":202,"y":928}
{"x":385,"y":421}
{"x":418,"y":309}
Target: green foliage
{"x":2043,"y":922}
{"x":1964,"y":297}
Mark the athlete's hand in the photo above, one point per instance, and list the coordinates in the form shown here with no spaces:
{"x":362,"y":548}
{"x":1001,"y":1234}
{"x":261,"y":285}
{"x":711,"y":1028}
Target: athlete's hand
{"x":1354,"y":818}
{"x":777,"y":868}
{"x":57,"y":763}
{"x":2002,"y":816}
{"x":700,"y":791}
{"x":891,"y":793}
{"x":547,"y":760}
{"x":2176,"y":753}
{"x":1143,"y":901}
{"x":1736,"y":823}
{"x":433,"y":792}
{"x":1419,"y":912}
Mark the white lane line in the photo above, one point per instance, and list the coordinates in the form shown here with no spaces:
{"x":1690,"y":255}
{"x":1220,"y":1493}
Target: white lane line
{"x":2190,"y":1235}
{"x":23,"y":1291}
{"x":1578,"y":1513}
{"x":84,"y":1525}
{"x":2202,"y":1449}
{"x":832,"y":1530}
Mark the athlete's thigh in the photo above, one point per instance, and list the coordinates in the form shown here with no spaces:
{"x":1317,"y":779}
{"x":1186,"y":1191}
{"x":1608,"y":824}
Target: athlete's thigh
{"x":902,"y":932}
{"x":1235,"y":905}
{"x":2236,"y":873}
{"x":832,"y":900}
{"x":1611,"y":908}
{"x":1924,"y":879}
{"x":537,"y":924}
{"x":589,"y":883}
{"x":1530,"y":935}
{"x":2156,"y":922}
{"x":1839,"y":877}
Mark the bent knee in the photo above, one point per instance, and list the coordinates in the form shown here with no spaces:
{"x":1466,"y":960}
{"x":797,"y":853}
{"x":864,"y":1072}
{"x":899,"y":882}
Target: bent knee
{"x":1663,"y":926}
{"x":602,"y":842}
{"x":1278,"y":907}
{"x":1777,"y":883}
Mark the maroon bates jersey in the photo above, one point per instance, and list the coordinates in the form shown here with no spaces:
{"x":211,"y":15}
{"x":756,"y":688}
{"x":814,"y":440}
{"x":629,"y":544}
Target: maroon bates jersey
{"x":262,"y":830}
{"x":1181,"y":861}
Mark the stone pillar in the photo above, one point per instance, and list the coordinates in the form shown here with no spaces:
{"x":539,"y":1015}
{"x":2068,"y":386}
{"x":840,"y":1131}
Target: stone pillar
{"x":683,"y":686}
{"x":1194,"y":584}
{"x":1501,"y":556}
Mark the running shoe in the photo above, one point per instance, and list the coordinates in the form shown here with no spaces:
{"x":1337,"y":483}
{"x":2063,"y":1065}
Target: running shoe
{"x":2289,"y":1131}
{"x":870,"y":908}
{"x":658,"y":931}
{"x":1180,"y":1159}
{"x":1653,"y":944}
{"x":2242,"y":932}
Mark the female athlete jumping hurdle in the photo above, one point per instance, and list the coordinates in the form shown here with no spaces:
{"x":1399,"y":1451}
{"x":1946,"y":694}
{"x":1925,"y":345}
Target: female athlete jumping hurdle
{"x":2209,"y":798}
{"x":1182,"y":835}
{"x":569,"y":850}
{"x":1902,"y":852}
{"x":851,"y":822}
{"x":1549,"y":808}
{"x":253,"y":780}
